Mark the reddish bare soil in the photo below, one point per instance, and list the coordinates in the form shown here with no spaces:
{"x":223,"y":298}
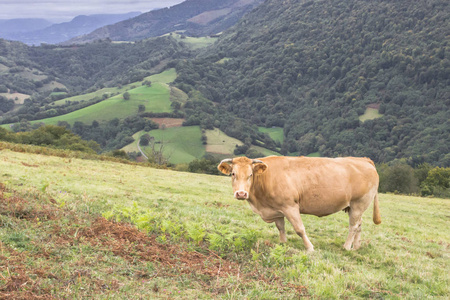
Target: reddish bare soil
{"x":168,"y":122}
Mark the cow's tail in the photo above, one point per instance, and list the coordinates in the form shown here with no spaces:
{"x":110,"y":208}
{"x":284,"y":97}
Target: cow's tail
{"x":376,"y":210}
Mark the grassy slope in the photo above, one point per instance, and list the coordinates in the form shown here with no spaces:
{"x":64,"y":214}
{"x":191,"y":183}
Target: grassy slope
{"x":370,"y":114}
{"x":181,"y":144}
{"x":156,"y":99}
{"x":219,"y":142}
{"x":276,"y":133}
{"x":406,"y":257}
{"x":89,"y":96}
{"x":193,"y":42}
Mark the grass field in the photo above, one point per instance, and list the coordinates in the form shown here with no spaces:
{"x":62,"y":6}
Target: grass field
{"x":18,"y":98}
{"x":275,"y":133}
{"x":90,"y":96}
{"x":195,"y":42}
{"x":201,"y":243}
{"x":156,"y":98}
{"x":180,"y":144}
{"x":370,"y":114}
{"x":183,"y":144}
{"x":219,"y":142}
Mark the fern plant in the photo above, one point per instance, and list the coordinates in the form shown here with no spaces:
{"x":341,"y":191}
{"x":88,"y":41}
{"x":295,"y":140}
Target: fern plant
{"x":196,"y":233}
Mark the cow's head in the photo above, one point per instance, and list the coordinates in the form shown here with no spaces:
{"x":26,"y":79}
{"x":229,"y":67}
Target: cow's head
{"x":242,"y":170}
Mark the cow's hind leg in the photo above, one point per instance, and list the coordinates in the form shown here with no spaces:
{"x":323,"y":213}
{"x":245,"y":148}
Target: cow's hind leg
{"x":354,"y":228}
{"x":280,"y":225}
{"x":357,"y":208}
{"x":293,"y":215}
{"x":357,"y":240}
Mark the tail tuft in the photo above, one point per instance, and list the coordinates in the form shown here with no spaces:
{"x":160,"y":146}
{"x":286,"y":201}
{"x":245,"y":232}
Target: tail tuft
{"x":376,"y":210}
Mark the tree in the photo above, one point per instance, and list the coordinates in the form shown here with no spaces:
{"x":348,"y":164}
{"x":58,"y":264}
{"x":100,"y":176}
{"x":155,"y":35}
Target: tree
{"x":145,"y":140}
{"x":398,"y":178}
{"x":437,"y":183}
{"x":126,"y":96}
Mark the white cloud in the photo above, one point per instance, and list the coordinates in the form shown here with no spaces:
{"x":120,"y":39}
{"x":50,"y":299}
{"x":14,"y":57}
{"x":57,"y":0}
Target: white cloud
{"x":65,"y":10}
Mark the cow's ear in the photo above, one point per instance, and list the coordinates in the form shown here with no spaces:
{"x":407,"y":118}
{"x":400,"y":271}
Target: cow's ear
{"x":259,"y":168}
{"x":225,"y":168}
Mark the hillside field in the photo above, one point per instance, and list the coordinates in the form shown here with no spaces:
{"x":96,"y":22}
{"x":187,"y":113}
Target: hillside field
{"x":155,"y":98}
{"x":191,"y":240}
{"x":184,"y":144}
{"x":275,"y":133}
{"x":194,"y":42}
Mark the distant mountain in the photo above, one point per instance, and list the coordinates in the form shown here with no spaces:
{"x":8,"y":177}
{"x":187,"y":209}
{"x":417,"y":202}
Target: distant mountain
{"x":58,"y":33}
{"x":193,"y":17}
{"x":12,"y":26}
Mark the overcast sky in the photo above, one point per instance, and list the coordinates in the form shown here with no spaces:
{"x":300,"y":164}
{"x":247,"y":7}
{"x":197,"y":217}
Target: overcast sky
{"x":65,"y":10}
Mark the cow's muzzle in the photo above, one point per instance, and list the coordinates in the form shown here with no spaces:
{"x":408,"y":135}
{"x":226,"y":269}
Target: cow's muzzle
{"x":241,"y":195}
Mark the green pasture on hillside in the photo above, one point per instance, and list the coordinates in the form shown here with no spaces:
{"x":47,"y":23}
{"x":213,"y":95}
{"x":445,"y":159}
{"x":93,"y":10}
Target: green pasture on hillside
{"x":370,"y":114}
{"x":155,"y":98}
{"x":275,"y":133}
{"x":89,"y":96}
{"x":219,"y":142}
{"x":166,"y":76}
{"x":51,"y":246}
{"x":194,"y":42}
{"x":184,"y":144}
{"x":180,"y":144}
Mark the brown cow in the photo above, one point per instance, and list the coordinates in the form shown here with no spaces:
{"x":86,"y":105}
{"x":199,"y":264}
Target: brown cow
{"x":278,"y":187}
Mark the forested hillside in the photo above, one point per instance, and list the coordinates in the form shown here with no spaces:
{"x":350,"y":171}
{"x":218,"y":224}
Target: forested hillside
{"x":316,"y":68}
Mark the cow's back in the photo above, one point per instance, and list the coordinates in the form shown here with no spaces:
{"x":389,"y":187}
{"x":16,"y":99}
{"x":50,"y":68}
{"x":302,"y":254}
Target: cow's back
{"x":321,"y":186}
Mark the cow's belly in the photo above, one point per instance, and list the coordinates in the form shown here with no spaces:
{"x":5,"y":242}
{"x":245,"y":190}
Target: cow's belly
{"x":268,"y":214}
{"x":324,"y":204}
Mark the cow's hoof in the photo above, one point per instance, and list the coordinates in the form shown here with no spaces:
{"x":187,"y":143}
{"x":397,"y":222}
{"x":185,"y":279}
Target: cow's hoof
{"x":310,"y":250}
{"x":348,"y":248}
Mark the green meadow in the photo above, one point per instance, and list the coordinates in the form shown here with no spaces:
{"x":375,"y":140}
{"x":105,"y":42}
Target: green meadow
{"x":275,"y":133}
{"x":370,"y":114}
{"x":155,"y":98}
{"x":194,"y":42}
{"x":89,"y":96}
{"x":176,"y":235}
{"x":220,"y":143}
{"x":179,"y":144}
{"x":183,"y":144}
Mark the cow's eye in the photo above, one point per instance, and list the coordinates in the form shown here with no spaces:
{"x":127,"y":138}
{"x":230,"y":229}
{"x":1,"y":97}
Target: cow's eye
{"x":250,"y":175}
{"x":233,"y":174}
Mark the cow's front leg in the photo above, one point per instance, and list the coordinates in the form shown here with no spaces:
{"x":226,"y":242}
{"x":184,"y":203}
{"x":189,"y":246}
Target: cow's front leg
{"x":293,"y":215}
{"x":280,"y":225}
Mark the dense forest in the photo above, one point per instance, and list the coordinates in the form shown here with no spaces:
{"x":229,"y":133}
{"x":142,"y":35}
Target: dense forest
{"x":313,"y":68}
